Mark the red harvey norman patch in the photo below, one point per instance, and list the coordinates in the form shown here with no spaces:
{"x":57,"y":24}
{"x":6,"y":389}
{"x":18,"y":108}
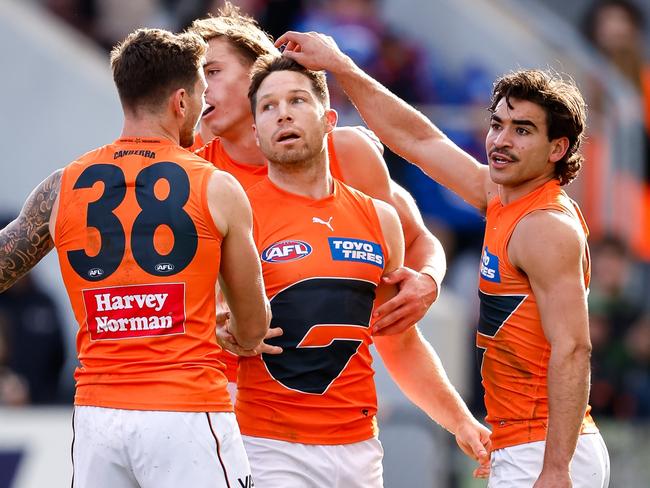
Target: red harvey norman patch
{"x":124,"y":312}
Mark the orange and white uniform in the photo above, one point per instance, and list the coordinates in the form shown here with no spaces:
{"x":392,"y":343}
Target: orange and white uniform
{"x":139,"y":254}
{"x":249,"y":175}
{"x":139,"y":258}
{"x":321,"y":261}
{"x":510,"y":335}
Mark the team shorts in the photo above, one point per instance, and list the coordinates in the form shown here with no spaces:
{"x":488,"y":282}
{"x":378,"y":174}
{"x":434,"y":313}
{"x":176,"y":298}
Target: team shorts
{"x":519,"y":466}
{"x":155,"y":449}
{"x":279,"y":464}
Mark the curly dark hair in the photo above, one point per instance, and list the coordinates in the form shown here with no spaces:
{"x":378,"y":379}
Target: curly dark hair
{"x":566,"y":111}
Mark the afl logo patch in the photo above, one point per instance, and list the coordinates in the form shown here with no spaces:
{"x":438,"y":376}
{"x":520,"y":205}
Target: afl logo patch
{"x":164,"y":267}
{"x":95,"y":272}
{"x":285,"y":251}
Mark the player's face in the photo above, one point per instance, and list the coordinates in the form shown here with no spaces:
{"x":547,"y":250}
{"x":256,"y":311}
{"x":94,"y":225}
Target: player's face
{"x":517,"y":144}
{"x":290,"y":121}
{"x":228,"y":113}
{"x":193,"y":111}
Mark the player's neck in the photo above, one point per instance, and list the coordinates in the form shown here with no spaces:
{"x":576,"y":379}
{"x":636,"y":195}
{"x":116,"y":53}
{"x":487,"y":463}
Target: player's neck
{"x":149,"y":128}
{"x":311,"y":179}
{"x":239,"y":143}
{"x":243,"y":148}
{"x":511,"y":193}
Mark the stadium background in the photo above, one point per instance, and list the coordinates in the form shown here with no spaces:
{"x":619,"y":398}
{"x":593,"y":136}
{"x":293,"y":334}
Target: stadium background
{"x":441,"y":55}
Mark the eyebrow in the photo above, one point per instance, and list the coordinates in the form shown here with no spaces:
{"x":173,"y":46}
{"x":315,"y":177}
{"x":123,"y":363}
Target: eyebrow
{"x":526,"y":122}
{"x":297,"y":90}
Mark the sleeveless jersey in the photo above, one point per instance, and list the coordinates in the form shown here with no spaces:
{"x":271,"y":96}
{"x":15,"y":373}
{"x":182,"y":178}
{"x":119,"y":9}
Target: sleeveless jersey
{"x":139,"y":254}
{"x":321,"y":260}
{"x":249,"y":175}
{"x":510,"y":335}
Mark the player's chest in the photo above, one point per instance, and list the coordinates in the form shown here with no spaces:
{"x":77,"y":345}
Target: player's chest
{"x":325,"y":244}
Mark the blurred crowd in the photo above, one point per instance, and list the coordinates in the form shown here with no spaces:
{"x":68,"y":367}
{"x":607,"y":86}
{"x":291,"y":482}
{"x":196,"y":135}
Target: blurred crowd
{"x":31,"y":344}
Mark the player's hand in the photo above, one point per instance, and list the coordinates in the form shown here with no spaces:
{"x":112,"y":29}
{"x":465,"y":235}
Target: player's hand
{"x":228,"y":342}
{"x":416,"y":293}
{"x":313,"y":50}
{"x":474,"y":440}
{"x":554,"y":478}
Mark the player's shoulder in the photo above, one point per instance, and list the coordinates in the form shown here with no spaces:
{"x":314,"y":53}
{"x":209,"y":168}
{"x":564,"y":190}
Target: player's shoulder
{"x":351,"y":136}
{"x":222,"y":180}
{"x":352,"y":192}
{"x":551,"y":224}
{"x":387,"y":216}
{"x":546,"y":239}
{"x":99,"y":154}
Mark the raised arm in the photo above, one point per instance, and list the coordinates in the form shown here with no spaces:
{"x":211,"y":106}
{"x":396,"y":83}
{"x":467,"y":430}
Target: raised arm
{"x":402,"y":128}
{"x":415,"y":367}
{"x":363,"y":168}
{"x":550,"y":249}
{"x":25,"y":241}
{"x":240,"y":272}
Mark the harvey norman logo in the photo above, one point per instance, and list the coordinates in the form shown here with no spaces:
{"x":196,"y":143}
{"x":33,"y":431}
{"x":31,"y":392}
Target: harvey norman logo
{"x":124,"y":312}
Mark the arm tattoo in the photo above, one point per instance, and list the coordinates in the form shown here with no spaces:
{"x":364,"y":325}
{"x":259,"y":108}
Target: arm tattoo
{"x":25,"y":241}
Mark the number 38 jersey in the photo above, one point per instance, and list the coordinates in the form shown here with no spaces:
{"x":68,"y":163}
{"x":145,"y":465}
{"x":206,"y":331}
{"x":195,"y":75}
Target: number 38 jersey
{"x":321,"y":260}
{"x":139,"y":254}
{"x":510,"y":333}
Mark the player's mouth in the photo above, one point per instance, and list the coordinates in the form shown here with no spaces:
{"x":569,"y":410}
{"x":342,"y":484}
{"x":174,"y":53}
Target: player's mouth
{"x":207,"y":111}
{"x":287,"y":136}
{"x":502,"y":158}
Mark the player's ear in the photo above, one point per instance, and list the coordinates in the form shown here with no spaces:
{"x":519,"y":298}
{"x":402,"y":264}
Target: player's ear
{"x":178,"y":101}
{"x":331,"y":118}
{"x":559,"y":147}
{"x":257,"y":139}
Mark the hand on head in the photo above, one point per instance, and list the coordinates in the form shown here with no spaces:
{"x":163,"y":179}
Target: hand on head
{"x":312,"y":50}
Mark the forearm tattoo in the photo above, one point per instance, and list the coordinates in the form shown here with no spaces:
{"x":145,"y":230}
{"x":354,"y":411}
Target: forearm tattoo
{"x":25,"y":241}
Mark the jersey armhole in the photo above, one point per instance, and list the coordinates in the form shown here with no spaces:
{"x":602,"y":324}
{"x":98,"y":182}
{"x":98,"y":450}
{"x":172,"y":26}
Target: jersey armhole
{"x":374,"y":217}
{"x":335,"y":167}
{"x":209,"y":221}
{"x":58,"y":225}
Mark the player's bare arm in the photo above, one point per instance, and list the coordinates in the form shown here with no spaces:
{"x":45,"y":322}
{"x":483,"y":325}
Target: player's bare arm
{"x":363,"y":167}
{"x":554,"y":260}
{"x":402,"y":351}
{"x":398,"y":125}
{"x":424,"y":253}
{"x":416,"y":369}
{"x":240,"y":275}
{"x":25,"y":241}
